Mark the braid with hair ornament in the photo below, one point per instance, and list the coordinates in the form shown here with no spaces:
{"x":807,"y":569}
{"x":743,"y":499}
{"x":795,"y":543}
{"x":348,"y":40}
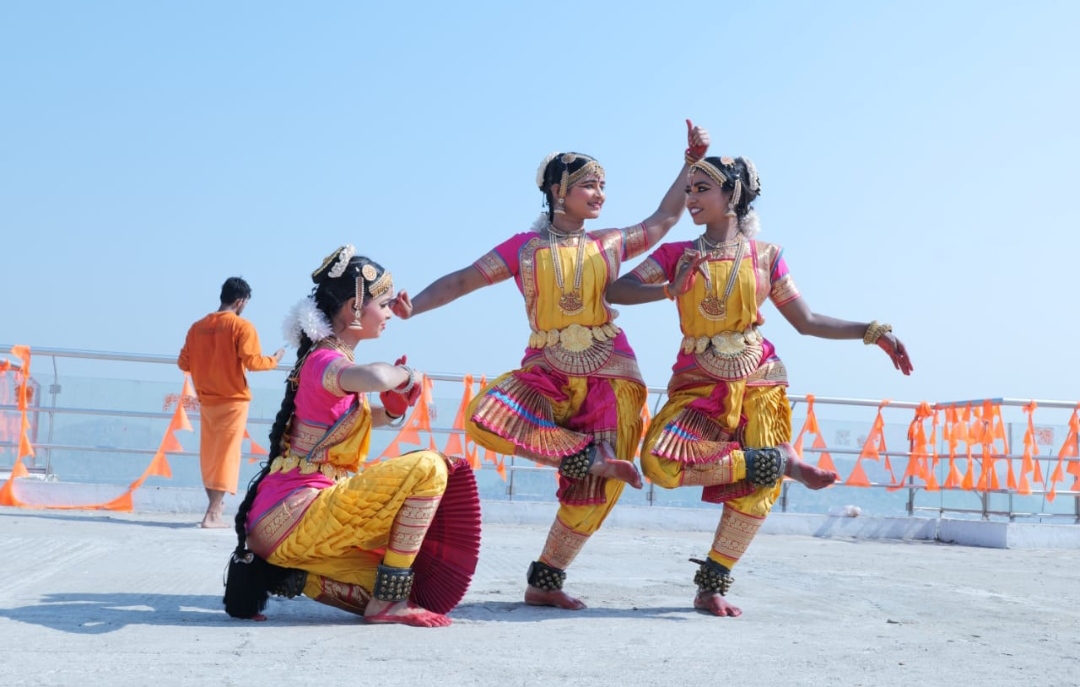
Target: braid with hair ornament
{"x":249,"y":578}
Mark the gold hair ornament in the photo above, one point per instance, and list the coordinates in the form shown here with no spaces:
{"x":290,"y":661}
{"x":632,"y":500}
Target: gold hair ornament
{"x":344,"y":255}
{"x":711,"y":170}
{"x":381,"y":285}
{"x":591,"y":168}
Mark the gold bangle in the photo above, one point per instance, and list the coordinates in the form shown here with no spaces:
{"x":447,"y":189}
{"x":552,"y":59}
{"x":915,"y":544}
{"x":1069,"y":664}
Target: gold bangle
{"x":691,"y":160}
{"x":874,"y":331}
{"x":667,"y":293}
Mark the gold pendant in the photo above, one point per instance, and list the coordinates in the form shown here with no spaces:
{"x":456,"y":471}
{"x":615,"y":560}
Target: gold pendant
{"x":712,"y":308}
{"x":571,"y":303}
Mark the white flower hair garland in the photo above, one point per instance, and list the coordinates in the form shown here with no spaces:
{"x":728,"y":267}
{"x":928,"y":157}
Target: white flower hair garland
{"x":541,"y":225}
{"x":543,"y":168}
{"x":750,"y":225}
{"x":306,"y":318}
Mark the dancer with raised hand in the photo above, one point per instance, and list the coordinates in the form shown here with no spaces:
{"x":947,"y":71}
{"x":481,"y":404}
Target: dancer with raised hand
{"x":318,"y":521}
{"x":726,"y":425}
{"x":575,"y":403}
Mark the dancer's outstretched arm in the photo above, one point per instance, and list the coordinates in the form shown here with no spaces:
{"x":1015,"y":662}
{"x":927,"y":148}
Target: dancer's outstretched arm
{"x":810,"y":323}
{"x":438,"y":293}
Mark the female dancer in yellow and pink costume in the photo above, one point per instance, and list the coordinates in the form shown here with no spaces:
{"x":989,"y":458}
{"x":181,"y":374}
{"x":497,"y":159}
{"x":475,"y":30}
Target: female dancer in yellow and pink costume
{"x":576,"y":401}
{"x":316,"y":520}
{"x":726,"y":425}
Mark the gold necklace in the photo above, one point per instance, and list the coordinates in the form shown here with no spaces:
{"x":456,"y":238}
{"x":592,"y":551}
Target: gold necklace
{"x":713,"y":307}
{"x":338,"y":345}
{"x":719,"y":245}
{"x":570,"y":303}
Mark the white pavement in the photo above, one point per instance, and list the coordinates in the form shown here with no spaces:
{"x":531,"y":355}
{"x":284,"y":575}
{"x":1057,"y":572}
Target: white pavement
{"x":134,"y":599}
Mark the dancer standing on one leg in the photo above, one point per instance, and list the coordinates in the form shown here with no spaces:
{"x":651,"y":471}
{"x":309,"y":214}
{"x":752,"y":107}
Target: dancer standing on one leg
{"x":576,"y":402}
{"x":727,"y":423}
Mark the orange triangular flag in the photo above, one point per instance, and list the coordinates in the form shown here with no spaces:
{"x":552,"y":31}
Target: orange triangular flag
{"x":825,"y":461}
{"x":255,"y":448}
{"x":121,"y":503}
{"x":455,"y":445}
{"x":858,"y":477}
{"x":159,"y":466}
{"x":169,"y":443}
{"x":180,"y":417}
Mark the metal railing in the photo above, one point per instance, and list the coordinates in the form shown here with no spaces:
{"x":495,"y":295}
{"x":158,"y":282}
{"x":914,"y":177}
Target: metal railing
{"x":523,"y":476}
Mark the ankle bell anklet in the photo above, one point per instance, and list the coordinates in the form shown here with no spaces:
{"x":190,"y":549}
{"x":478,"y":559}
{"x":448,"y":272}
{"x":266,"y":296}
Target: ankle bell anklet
{"x":712,"y":578}
{"x":577,"y":466}
{"x":292,"y":585}
{"x":392,"y":584}
{"x":545,"y":577}
{"x":764,"y":466}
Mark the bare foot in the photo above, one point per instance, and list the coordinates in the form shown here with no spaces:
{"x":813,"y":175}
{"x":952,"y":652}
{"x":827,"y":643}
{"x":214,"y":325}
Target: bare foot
{"x":403,"y":613}
{"x":213,"y":521}
{"x":716,"y":604}
{"x":607,"y":465}
{"x":534,"y":596}
{"x":810,"y":476}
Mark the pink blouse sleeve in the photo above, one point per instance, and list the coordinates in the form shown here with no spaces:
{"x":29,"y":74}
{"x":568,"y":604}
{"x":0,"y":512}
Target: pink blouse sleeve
{"x":782,"y":288}
{"x":660,"y":266}
{"x":501,"y":262}
{"x":322,"y":370}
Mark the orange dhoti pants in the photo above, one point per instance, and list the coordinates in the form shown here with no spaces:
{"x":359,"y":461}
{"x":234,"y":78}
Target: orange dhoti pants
{"x":221,"y":435}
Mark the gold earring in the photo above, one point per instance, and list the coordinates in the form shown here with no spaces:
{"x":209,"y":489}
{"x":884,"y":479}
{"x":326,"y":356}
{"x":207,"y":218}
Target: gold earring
{"x":358,"y":302}
{"x":559,"y":209}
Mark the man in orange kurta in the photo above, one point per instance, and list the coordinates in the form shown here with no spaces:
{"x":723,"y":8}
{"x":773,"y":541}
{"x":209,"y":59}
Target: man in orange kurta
{"x":218,"y":349}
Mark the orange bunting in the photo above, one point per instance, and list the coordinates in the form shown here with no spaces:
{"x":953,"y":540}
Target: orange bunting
{"x":810,"y":426}
{"x":454,"y":444}
{"x":918,"y":466}
{"x":26,"y":449}
{"x":872,"y":449}
{"x":1069,"y":449}
{"x":255,"y":449}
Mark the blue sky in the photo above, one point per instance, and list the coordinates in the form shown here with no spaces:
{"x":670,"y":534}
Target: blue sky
{"x":916,"y":158}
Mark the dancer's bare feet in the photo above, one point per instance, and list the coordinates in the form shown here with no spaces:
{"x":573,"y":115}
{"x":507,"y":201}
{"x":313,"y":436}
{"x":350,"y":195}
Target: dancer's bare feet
{"x":716,"y":604}
{"x":403,"y":613}
{"x":607,"y":465}
{"x":810,"y":476}
{"x":534,"y":596}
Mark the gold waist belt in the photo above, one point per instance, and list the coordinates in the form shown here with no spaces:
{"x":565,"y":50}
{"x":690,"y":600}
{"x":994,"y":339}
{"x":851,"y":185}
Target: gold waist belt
{"x":727,"y":355}
{"x":290,"y":461}
{"x":575,"y":338}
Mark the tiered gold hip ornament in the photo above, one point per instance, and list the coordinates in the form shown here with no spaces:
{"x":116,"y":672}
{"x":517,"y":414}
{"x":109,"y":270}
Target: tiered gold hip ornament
{"x":570,"y":302}
{"x":714,"y":307}
{"x":577,"y":349}
{"x":729,"y":356}
{"x":290,"y":461}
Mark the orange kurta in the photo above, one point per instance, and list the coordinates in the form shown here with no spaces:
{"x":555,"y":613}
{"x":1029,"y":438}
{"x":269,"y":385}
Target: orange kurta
{"x":218,"y":349}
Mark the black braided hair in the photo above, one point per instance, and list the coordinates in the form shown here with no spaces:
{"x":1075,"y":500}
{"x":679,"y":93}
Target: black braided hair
{"x":250,"y":577}
{"x":738,"y":169}
{"x":553,"y":175}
